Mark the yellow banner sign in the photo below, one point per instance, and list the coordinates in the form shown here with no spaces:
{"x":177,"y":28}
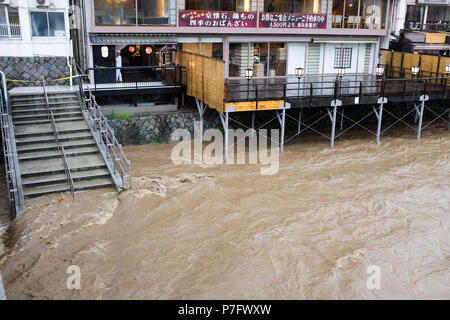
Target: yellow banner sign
{"x":251,"y":105}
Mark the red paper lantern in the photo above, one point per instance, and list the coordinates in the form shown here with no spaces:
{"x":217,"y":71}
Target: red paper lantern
{"x":148,"y":50}
{"x":132,"y":49}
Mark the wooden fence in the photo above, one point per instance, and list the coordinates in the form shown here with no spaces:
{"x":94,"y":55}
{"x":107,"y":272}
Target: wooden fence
{"x":203,"y":78}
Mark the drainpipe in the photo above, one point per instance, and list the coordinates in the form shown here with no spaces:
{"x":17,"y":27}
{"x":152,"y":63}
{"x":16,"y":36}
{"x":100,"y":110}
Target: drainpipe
{"x":83,"y":34}
{"x":69,"y":64}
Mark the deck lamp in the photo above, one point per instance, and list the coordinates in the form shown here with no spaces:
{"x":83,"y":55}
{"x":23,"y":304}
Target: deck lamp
{"x":380,"y":70}
{"x":415,"y":70}
{"x":341,"y":72}
{"x":447,"y":68}
{"x":249,"y":74}
{"x":299,"y":72}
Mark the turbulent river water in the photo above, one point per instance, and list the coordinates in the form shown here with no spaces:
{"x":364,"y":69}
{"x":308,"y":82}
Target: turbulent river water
{"x":228,"y":232}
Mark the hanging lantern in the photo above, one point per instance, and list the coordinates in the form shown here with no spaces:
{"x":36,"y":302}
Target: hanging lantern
{"x":132,"y":49}
{"x":105,"y":52}
{"x":148,"y":50}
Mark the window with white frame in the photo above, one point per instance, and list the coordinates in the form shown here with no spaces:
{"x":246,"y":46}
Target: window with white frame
{"x":342,"y":58}
{"x":47,"y":24}
{"x":9,"y":23}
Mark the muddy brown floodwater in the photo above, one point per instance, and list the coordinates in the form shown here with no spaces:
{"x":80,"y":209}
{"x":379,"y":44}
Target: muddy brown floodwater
{"x":227,"y":232}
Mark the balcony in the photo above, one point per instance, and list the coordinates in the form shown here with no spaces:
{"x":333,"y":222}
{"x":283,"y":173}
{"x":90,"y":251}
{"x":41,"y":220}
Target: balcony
{"x":10,"y":31}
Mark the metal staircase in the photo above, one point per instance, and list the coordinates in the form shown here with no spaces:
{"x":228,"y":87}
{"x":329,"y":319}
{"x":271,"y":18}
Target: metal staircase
{"x":56,"y":142}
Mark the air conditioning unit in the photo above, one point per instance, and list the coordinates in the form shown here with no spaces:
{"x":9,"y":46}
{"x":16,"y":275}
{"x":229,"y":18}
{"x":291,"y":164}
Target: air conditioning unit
{"x":42,"y":3}
{"x":5,"y":1}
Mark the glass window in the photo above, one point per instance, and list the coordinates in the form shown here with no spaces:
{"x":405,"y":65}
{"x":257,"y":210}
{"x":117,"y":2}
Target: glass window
{"x":366,"y":14}
{"x":351,"y":18}
{"x":295,"y":6}
{"x":373,"y":13}
{"x":265,"y":59}
{"x":343,"y":58}
{"x":153,"y":12}
{"x":220,"y":5}
{"x":277,"y":61}
{"x":217,"y":51}
{"x":438,"y":18}
{"x":47,"y":24}
{"x":414,"y":17}
{"x":109,"y":12}
{"x":39,"y":24}
{"x":56,"y":24}
{"x":9,"y":23}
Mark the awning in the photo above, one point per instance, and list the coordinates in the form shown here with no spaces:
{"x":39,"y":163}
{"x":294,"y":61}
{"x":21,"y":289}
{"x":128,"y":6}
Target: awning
{"x":132,"y":38}
{"x":346,"y":40}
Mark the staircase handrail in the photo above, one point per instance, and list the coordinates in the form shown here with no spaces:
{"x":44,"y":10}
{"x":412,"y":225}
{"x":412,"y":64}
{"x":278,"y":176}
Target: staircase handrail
{"x":11,"y":159}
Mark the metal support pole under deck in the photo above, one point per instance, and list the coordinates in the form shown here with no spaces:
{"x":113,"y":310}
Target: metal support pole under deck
{"x":253,"y":123}
{"x":282,"y":121}
{"x":342,"y":119}
{"x":423,"y":98}
{"x":335,"y":103}
{"x":299,"y":126}
{"x":379,"y":115}
{"x":201,"y":110}
{"x":224,"y":121}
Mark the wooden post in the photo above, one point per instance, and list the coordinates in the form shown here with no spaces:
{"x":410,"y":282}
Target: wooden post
{"x":401,"y":65}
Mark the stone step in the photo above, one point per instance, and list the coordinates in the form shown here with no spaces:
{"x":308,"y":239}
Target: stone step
{"x":62,"y":177}
{"x":41,"y":104}
{"x":46,"y":128}
{"x":44,"y":110}
{"x":51,"y":166}
{"x":50,"y":96}
{"x":50,"y":133}
{"x":42,"y":121}
{"x":37,"y":147}
{"x":37,"y":191}
{"x":62,"y":138}
{"x":41,"y":155}
{"x":44,"y":115}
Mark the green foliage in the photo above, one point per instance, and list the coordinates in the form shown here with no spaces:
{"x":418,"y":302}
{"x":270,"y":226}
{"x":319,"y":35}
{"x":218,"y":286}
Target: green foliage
{"x":125,"y":115}
{"x":113,"y":114}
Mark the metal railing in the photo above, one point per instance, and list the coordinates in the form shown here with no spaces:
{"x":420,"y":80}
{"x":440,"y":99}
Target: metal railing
{"x":139,"y":77}
{"x":432,"y":26}
{"x":10,"y":31}
{"x":68,"y":173}
{"x":308,"y":90}
{"x":99,"y":123}
{"x":11,"y":159}
{"x":59,"y":147}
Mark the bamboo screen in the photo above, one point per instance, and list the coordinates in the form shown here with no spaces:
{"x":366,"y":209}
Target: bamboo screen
{"x":203,"y":78}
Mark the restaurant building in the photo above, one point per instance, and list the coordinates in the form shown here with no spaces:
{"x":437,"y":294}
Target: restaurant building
{"x":271,"y":37}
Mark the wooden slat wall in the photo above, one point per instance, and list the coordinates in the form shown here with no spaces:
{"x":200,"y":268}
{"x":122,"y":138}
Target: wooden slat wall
{"x":203,"y":78}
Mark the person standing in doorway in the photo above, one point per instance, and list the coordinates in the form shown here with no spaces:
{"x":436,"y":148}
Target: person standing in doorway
{"x":118,"y":65}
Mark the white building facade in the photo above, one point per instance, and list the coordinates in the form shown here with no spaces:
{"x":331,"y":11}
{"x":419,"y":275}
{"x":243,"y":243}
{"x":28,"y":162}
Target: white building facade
{"x":35,"y":39}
